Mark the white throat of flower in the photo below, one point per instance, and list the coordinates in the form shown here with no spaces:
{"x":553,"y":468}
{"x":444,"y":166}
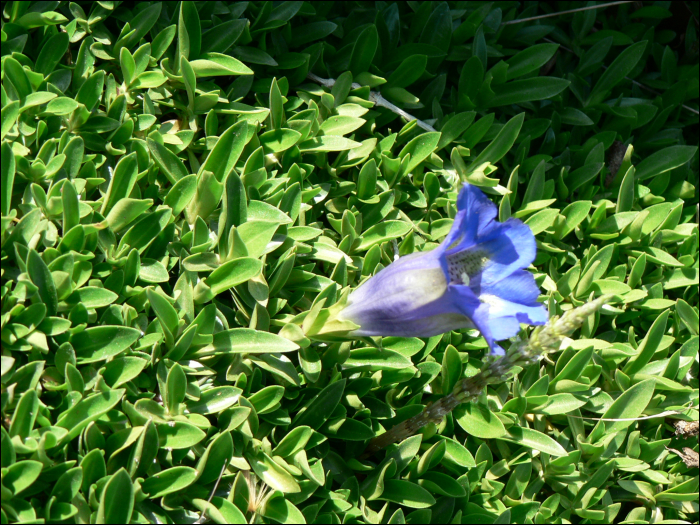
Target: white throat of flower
{"x":465,"y":264}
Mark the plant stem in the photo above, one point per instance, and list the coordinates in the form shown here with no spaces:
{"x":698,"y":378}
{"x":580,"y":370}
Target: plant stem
{"x":521,"y":353}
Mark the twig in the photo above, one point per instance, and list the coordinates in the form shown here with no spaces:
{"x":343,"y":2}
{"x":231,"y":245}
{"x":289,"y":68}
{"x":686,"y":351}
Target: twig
{"x":202,"y":519}
{"x":376,"y":98}
{"x":642,"y":418}
{"x":565,"y":12}
{"x":689,"y":456}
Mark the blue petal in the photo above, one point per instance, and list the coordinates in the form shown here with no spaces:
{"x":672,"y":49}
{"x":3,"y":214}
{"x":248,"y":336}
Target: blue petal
{"x":419,"y":326}
{"x":474,"y":216}
{"x":404,"y":299}
{"x":498,"y":318}
{"x":480,"y":210}
{"x":511,"y":246}
{"x":456,"y":233}
{"x":503,"y":317}
{"x":519,"y":287}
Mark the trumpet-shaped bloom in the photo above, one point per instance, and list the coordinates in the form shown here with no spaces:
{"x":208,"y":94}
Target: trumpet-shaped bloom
{"x":474,"y":279}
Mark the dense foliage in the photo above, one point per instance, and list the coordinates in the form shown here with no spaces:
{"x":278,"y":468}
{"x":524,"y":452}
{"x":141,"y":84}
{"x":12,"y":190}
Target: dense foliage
{"x":185,"y":185}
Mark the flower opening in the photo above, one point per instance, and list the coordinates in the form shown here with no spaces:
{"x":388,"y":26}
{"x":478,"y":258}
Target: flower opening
{"x":476,"y":278}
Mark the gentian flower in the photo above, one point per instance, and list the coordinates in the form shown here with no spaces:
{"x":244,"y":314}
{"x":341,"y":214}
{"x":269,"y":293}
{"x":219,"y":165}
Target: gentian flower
{"x":474,"y":279}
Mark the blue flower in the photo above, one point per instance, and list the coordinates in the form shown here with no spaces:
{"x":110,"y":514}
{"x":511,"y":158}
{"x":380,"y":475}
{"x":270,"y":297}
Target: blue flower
{"x":475,"y":278}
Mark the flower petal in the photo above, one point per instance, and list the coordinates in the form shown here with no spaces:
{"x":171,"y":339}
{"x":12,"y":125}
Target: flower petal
{"x":495,"y":317}
{"x":511,"y":246}
{"x":480,"y":210}
{"x":519,"y":287}
{"x":401,"y":299}
{"x":474,"y":217}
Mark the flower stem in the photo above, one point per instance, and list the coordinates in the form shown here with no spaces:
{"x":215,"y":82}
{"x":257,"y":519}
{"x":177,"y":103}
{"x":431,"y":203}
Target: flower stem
{"x":523,"y":352}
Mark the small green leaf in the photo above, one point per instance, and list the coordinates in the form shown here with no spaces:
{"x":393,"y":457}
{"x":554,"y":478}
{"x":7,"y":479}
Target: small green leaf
{"x":21,"y":475}
{"x":535,"y":440}
{"x":8,"y":175}
{"x":179,"y":435}
{"x":626,"y":407}
{"x":168,"y":481}
{"x":363,"y":51}
{"x":117,"y":499}
{"x":246,"y":340}
{"x":479,"y":421}
{"x":214,"y":400}
{"x":176,"y":385}
{"x":217,"y":64}
{"x":102,"y":342}
{"x":384,"y":231}
{"x":617,"y":71}
{"x":527,"y":90}
{"x":407,"y":494}
{"x":649,"y":345}
{"x":315,"y":413}
{"x":664,"y":160}
{"x":41,"y":276}
{"x":530,"y":59}
{"x":87,"y":410}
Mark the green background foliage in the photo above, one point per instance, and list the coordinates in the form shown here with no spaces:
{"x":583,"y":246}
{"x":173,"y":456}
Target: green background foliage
{"x":178,"y":195}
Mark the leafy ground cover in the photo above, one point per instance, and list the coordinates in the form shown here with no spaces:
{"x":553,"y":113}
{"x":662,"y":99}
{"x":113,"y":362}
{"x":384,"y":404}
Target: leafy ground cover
{"x":185,"y":185}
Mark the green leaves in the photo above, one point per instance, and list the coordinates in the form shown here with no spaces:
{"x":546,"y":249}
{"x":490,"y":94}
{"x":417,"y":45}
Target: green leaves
{"x":189,"y":32}
{"x":419,"y":149}
{"x":216,"y":64}
{"x":530,"y":59}
{"x":505,"y":139}
{"x":171,"y":166}
{"x":225,"y":154}
{"x":10,"y":112}
{"x":86,"y":411}
{"x":122,"y":182}
{"x":168,"y":481}
{"x":91,"y":90}
{"x":363,"y":51}
{"x":618,"y":70}
{"x":628,"y":406}
{"x":407,"y":494}
{"x":321,"y":406}
{"x":230,"y":274}
{"x":103,"y":342}
{"x":528,"y":90}
{"x":41,"y":277}
{"x":480,"y":422}
{"x":665,"y":160}
{"x":191,"y":192}
{"x":244,"y":340}
{"x":51,"y":53}
{"x":117,"y":499}
{"x":21,"y":475}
